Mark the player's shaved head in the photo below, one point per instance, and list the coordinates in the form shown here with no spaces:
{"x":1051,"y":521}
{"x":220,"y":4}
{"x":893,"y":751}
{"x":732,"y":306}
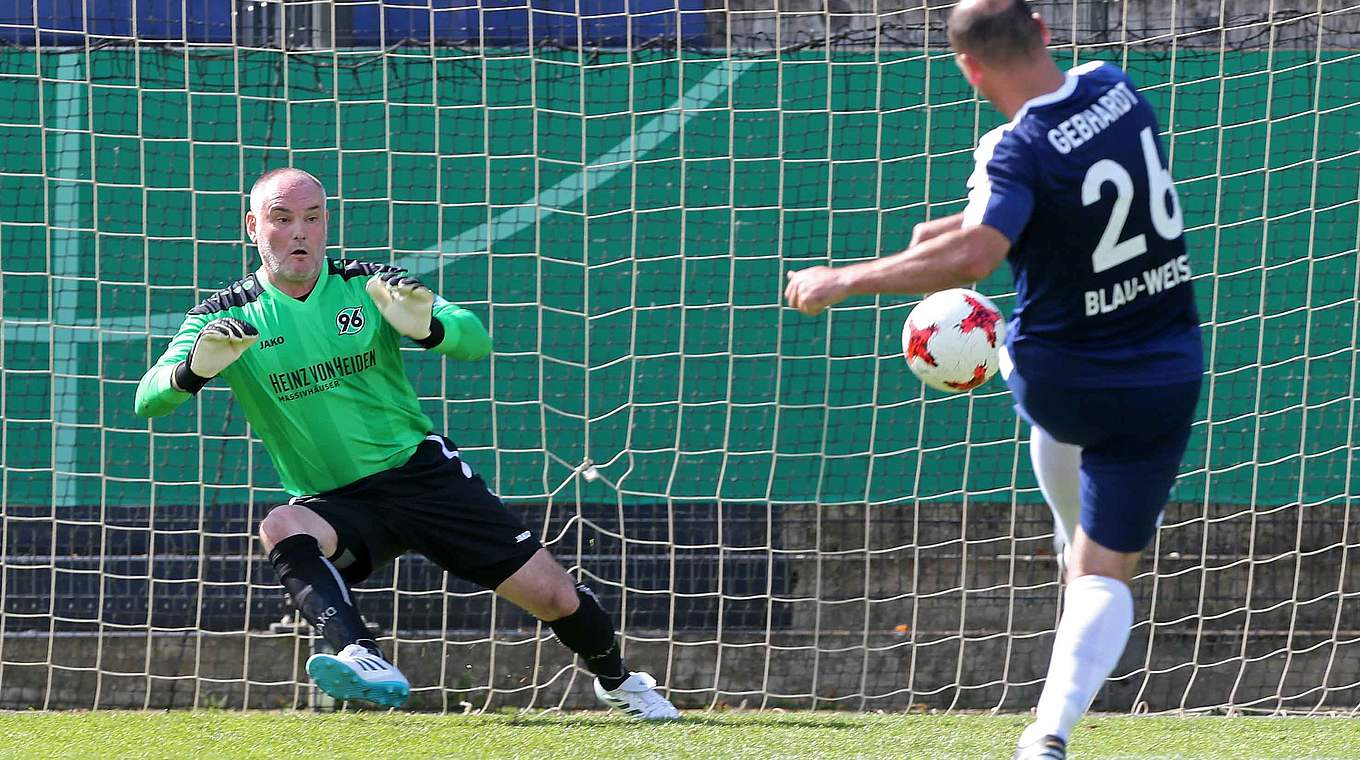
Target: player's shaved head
{"x":287,"y":223}
{"x":995,"y":31}
{"x":260,"y":189}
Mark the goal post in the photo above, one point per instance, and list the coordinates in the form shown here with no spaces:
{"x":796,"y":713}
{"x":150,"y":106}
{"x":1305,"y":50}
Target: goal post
{"x":771,"y":506}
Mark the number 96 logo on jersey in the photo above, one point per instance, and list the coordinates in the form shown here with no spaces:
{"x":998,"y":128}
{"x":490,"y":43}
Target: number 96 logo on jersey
{"x":350,"y":320}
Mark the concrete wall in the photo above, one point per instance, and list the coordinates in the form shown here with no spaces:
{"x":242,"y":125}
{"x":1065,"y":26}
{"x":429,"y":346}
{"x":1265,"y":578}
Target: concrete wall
{"x":958,"y":615}
{"x":834,"y":671}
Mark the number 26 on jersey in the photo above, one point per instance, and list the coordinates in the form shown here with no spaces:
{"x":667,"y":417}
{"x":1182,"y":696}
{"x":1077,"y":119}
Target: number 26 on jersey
{"x":1111,"y":251}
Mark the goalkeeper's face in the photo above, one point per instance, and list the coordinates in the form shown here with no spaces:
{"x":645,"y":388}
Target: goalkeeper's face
{"x":289,"y":228}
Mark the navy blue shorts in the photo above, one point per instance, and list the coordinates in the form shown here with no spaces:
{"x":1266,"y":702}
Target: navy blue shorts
{"x":1132,"y":441}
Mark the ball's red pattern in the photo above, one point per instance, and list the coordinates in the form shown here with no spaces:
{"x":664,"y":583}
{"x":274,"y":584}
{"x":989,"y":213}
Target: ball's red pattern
{"x":917,"y":347}
{"x":983,"y":317}
{"x":979,"y":377}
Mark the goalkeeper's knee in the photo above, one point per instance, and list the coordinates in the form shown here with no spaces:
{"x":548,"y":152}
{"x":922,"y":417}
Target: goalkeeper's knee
{"x":288,"y":520}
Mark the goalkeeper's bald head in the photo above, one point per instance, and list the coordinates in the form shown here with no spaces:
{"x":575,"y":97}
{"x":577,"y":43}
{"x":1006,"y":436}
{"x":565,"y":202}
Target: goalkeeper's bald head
{"x":259,"y":191}
{"x":287,"y":222}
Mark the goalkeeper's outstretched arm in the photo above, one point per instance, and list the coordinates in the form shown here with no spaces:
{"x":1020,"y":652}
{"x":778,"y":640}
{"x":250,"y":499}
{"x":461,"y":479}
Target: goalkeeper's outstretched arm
{"x":202,"y":348}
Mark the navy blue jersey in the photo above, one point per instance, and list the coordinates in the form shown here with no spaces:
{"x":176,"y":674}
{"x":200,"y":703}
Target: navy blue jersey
{"x":1078,"y":183}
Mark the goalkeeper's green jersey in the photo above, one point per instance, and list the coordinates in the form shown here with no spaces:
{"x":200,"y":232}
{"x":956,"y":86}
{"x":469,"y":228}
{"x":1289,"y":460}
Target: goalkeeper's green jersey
{"x":324,"y":387}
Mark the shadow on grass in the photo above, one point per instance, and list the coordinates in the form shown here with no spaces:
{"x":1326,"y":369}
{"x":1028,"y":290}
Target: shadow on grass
{"x":742,"y":722}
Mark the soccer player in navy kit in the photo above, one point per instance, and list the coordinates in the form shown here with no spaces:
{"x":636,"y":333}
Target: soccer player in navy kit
{"x":1103,"y":354}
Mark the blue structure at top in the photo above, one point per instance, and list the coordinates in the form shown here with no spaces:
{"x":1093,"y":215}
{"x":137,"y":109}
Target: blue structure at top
{"x":604,"y":23}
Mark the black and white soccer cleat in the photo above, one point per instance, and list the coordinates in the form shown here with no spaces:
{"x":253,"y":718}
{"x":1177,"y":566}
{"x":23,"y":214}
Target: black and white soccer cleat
{"x":357,"y":673}
{"x":638,"y":697}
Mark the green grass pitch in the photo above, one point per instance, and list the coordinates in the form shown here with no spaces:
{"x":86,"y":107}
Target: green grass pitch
{"x":709,"y":736}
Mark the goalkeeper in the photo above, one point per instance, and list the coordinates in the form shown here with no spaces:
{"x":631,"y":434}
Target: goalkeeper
{"x":310,"y":348}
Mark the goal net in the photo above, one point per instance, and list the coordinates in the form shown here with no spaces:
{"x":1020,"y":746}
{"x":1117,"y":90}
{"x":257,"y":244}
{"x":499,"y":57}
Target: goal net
{"x":774,"y":510}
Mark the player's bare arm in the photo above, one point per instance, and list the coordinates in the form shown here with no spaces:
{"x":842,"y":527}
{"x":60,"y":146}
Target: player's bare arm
{"x":933,"y":228}
{"x":946,"y":260}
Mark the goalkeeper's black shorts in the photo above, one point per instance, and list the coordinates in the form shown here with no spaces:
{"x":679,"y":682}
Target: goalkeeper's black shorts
{"x":434,"y":505}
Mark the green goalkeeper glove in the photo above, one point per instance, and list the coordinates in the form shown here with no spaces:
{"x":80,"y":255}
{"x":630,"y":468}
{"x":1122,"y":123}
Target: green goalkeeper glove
{"x":407,"y":305}
{"x":219,"y":343}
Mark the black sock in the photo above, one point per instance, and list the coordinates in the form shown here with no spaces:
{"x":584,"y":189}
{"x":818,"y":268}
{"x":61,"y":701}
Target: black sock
{"x":319,"y":592}
{"x":589,"y":633}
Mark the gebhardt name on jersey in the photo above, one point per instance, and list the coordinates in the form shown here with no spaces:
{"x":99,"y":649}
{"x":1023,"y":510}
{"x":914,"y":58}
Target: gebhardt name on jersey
{"x":302,"y":377}
{"x":1151,"y":282}
{"x":1091,"y":121}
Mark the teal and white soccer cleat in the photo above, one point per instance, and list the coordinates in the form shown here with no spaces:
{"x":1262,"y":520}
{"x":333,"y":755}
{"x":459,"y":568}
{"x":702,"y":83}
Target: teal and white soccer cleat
{"x":357,"y":673}
{"x":638,"y":697}
{"x":1045,"y":748}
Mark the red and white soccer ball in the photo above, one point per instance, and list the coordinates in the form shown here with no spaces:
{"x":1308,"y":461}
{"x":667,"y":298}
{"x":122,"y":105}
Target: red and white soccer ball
{"x":951,"y":339}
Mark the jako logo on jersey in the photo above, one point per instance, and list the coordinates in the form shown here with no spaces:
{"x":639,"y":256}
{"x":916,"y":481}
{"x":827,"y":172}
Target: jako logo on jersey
{"x":350,"y":320}
{"x":274,"y":341}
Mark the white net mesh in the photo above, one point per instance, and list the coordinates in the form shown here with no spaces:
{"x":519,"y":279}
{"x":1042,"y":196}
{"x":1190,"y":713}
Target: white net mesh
{"x":771,"y":506}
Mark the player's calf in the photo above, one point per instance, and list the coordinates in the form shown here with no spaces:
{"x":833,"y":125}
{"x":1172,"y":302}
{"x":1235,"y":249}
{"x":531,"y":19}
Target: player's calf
{"x":358,"y":670}
{"x":574,"y":614}
{"x":588,"y":632}
{"x":319,"y":592}
{"x":1091,"y":636}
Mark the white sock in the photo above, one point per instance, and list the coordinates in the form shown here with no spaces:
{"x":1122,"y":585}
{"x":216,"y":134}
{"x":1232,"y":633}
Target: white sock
{"x":1057,"y":466}
{"x":1097,"y":615}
